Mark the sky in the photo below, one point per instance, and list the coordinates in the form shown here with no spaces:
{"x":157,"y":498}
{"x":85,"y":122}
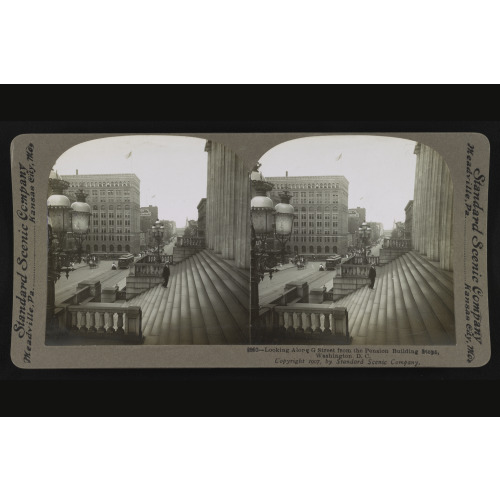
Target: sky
{"x":172,"y":170}
{"x":380,"y":170}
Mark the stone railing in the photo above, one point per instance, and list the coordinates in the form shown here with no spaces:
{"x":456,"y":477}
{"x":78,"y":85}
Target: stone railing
{"x":313,"y":323}
{"x":190,"y":242}
{"x":105,"y":321}
{"x":152,"y":258}
{"x":397,"y":243}
{"x":352,"y":270}
{"x":373,"y":260}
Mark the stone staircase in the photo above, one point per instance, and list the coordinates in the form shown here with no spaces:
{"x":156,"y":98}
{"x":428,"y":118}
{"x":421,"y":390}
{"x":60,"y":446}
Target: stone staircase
{"x":206,"y":302}
{"x":412,"y":304}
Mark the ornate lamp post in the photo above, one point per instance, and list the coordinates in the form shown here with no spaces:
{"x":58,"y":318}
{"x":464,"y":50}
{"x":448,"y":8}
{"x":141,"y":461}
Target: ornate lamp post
{"x":267,"y":222}
{"x":157,"y":230}
{"x":66,"y":222}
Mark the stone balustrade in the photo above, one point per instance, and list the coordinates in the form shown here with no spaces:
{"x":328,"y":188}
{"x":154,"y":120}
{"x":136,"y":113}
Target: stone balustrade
{"x":354,"y":270}
{"x":151,"y":258}
{"x":320,"y":323}
{"x":95,"y":320}
{"x":147,"y":269}
{"x":190,"y":242}
{"x":397,"y":243}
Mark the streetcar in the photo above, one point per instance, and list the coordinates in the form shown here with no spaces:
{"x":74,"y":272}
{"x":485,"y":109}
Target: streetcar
{"x":125,"y":260}
{"x":332,"y":262}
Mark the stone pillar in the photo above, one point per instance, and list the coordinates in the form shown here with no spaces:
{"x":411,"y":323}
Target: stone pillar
{"x":108,"y":295}
{"x":95,"y":288}
{"x":433,"y":207}
{"x":228,"y":205}
{"x":302,"y":290}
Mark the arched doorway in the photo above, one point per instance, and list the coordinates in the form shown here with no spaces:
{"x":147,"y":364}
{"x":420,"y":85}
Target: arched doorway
{"x":327,"y":249}
{"x":103,"y":248}
{"x":334,"y":249}
{"x":127,"y":248}
{"x":318,"y":249}
{"x":303,"y":249}
{"x":296,"y":249}
{"x":119,"y":248}
{"x":311,"y":249}
{"x":111,"y":248}
{"x":96,"y":248}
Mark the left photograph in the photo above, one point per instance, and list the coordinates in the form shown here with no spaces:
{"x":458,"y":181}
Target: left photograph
{"x":148,"y":243}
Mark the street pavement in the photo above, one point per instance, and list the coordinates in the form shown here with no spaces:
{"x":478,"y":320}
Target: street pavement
{"x":271,"y":289}
{"x":66,"y":287}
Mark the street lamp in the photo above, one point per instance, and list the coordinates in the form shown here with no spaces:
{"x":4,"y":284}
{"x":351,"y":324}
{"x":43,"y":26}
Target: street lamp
{"x":65,"y":222}
{"x":157,"y":230}
{"x":267,"y":221}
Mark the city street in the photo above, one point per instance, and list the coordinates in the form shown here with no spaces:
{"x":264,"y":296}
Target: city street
{"x":66,"y":287}
{"x":270,"y":289}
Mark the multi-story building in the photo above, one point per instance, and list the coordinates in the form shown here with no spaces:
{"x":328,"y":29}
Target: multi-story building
{"x":320,"y":227}
{"x":115,"y":203}
{"x":408,"y":220}
{"x":149,"y":215}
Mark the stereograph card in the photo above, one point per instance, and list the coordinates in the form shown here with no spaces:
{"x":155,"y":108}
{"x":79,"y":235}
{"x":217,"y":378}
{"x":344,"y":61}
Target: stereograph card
{"x":250,"y":250}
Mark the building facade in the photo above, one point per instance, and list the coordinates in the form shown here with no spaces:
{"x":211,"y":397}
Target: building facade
{"x":115,"y":203}
{"x":320,"y":227}
{"x":408,"y":219}
{"x":149,"y":215}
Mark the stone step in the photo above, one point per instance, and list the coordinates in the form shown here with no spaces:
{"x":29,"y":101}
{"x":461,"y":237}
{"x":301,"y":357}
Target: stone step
{"x":418,"y":330}
{"x":241,"y":278}
{"x":228,"y":310}
{"x":445,"y":278}
{"x":439,"y":319}
{"x":231,"y":281}
{"x":198,"y":329}
{"x":213,"y":330}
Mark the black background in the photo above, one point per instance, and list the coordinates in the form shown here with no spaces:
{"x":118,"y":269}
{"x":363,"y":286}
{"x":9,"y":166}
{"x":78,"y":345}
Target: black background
{"x":139,"y":109}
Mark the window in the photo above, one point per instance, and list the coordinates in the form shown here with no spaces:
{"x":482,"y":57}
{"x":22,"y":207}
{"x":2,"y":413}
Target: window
{"x":319,"y":216}
{"x":102,"y":192}
{"x":311,"y":216}
{"x":111,"y":207}
{"x":319,"y":224}
{"x":303,"y":224}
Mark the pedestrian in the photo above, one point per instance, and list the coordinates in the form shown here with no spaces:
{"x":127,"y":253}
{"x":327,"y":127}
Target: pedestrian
{"x":271,"y":274}
{"x":165,"y":275}
{"x":371,"y":276}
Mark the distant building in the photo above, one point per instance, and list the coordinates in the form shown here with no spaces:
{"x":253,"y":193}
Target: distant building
{"x":202,"y":217}
{"x":149,"y":215}
{"x":115,"y":203}
{"x":409,"y":219}
{"x":321,"y":224}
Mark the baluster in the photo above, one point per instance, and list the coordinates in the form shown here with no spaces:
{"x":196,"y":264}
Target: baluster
{"x":327,"y":330}
{"x":317,"y":323}
{"x":92,"y":328}
{"x":83,"y":322}
{"x":307,"y":323}
{"x":289,"y":322}
{"x":74,"y":321}
{"x":111,"y":321}
{"x":299,"y":328}
{"x":281,"y":322}
{"x":101,"y":328}
{"x":120,"y":329}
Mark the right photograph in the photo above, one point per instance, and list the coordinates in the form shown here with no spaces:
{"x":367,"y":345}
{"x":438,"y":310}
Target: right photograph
{"x":352,"y":243}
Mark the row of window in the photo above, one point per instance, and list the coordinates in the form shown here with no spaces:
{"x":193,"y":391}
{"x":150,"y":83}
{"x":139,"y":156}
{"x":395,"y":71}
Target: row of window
{"x":315,"y":231}
{"x":99,"y":184}
{"x":119,"y":248}
{"x":104,"y":230}
{"x":309,"y":185}
{"x":318,"y":224}
{"x":110,"y":207}
{"x":319,"y":216}
{"x":111,"y":237}
{"x":111,"y":222}
{"x":319,"y":249}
